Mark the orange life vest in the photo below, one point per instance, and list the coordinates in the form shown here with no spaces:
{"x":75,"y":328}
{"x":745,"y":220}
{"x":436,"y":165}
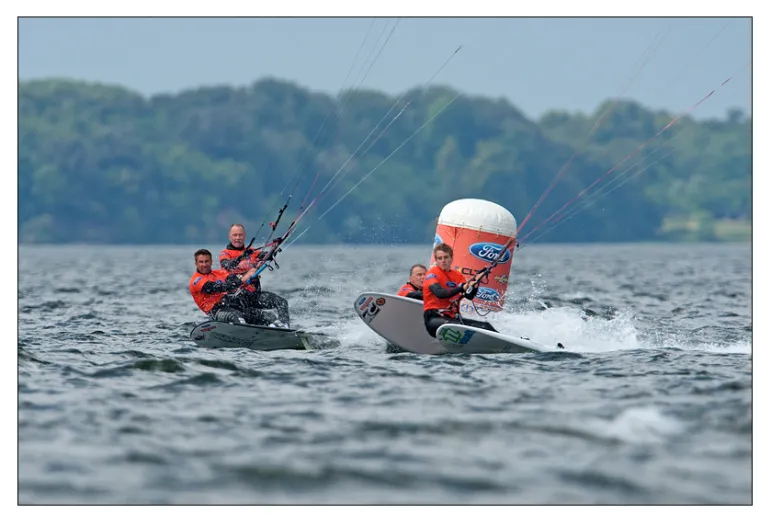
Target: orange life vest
{"x":230,"y":253}
{"x":406,"y":289}
{"x":206,"y":301}
{"x":449,"y":280}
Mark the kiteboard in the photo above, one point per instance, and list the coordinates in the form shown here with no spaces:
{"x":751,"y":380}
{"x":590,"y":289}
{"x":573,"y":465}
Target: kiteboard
{"x":399,"y":320}
{"x":456,"y":338}
{"x":216,"y":334}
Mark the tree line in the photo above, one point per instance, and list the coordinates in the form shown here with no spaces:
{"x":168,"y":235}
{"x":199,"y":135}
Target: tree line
{"x":102,"y":164}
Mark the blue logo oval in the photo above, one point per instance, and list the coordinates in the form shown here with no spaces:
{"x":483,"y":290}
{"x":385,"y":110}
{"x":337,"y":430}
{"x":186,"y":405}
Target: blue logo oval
{"x":437,"y":240}
{"x":488,"y":294}
{"x":487,"y":251}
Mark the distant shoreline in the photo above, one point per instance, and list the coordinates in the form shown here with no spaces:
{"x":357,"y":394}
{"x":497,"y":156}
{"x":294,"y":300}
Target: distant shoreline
{"x":428,"y":243}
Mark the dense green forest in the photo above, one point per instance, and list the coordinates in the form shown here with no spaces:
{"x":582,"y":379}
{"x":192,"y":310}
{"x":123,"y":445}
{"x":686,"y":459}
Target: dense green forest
{"x":102,"y":164}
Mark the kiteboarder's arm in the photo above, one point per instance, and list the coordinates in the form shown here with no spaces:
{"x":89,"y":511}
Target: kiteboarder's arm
{"x":441,"y":292}
{"x":471,"y":286}
{"x":415,"y":294}
{"x":229,"y":284}
{"x":231,"y":264}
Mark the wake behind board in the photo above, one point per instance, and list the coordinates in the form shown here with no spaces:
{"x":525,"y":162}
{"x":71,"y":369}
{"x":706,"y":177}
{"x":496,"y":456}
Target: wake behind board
{"x":456,"y":338}
{"x":215,"y":334}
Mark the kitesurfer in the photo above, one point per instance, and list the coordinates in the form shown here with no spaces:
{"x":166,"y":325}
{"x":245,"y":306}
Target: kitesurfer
{"x":213,"y":292}
{"x":443,"y":289}
{"x":238,"y":259}
{"x":414,"y":286}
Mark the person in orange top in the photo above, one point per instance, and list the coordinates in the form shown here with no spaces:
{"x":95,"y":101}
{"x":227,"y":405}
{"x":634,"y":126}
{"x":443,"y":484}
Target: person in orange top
{"x":237,"y":259}
{"x":443,"y":289}
{"x":414,"y":287}
{"x":211,"y":290}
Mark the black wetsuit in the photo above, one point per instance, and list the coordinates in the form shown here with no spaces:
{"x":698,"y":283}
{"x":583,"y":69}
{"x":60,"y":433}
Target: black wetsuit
{"x":248,"y":305}
{"x":434,"y":318}
{"x":252,"y":302}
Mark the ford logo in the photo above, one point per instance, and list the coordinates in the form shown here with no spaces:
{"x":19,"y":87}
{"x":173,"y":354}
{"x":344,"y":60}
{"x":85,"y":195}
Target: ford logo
{"x":487,"y":251}
{"x":488,"y":294}
{"x":437,"y":240}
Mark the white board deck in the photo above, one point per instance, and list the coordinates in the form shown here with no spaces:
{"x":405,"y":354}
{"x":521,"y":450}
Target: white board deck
{"x":399,"y":320}
{"x":468,"y":339}
{"x":215,"y":334}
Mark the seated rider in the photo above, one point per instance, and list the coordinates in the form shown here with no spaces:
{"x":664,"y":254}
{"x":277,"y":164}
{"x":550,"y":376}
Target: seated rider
{"x":414,"y":287}
{"x":212,"y":291}
{"x":443,"y":289}
{"x":237,"y":259}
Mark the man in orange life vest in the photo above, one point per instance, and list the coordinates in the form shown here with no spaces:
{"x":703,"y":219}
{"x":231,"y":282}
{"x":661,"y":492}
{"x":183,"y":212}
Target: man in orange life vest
{"x":211,"y":289}
{"x":414,"y":288}
{"x":443,"y":289}
{"x":237,"y":259}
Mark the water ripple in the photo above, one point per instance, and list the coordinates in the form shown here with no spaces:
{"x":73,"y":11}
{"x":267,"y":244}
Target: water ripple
{"x":117,"y":405}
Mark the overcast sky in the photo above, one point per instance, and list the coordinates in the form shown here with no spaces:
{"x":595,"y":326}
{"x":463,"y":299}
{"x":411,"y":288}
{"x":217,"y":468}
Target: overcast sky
{"x":536,"y":63}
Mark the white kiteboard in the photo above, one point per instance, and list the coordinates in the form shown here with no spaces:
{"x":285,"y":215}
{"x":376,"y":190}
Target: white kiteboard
{"x":215,"y":334}
{"x":457,"y":338}
{"x":399,"y":320}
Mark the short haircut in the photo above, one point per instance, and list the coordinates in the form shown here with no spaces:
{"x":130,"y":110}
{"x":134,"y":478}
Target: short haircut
{"x":412,"y":269}
{"x":236,"y":225}
{"x":202,"y":252}
{"x":443,"y":247}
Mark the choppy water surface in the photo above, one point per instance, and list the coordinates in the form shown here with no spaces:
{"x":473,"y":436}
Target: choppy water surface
{"x":650,"y":403}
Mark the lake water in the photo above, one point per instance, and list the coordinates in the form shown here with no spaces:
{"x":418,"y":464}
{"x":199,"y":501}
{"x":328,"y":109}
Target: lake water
{"x":650,"y":404}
